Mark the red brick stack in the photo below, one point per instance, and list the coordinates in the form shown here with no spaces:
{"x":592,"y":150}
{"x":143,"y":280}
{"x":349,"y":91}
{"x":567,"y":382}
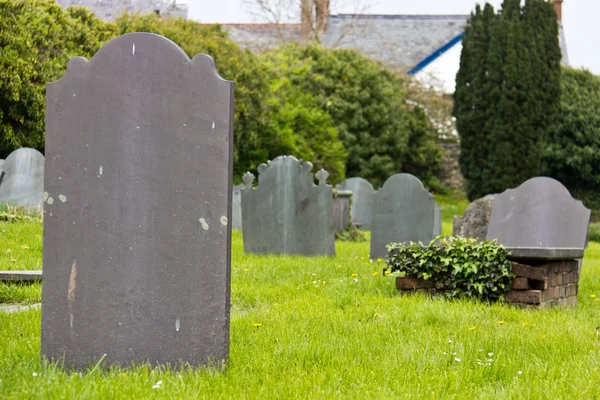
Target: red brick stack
{"x":551,"y":283}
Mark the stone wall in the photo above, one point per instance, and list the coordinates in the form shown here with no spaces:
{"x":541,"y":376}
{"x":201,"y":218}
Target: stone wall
{"x":450,"y":170}
{"x":110,"y":9}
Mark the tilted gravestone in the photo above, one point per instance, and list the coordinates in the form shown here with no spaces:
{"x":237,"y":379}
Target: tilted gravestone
{"x":475,"y":220}
{"x":22,"y":178}
{"x":540,"y":219}
{"x":236,"y":207}
{"x":362,"y":192}
{"x":403,"y":210}
{"x":287,"y":213}
{"x":136,"y":234}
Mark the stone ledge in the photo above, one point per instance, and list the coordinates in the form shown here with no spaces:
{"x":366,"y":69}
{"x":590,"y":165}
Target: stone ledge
{"x":21,"y":276}
{"x":540,"y":253}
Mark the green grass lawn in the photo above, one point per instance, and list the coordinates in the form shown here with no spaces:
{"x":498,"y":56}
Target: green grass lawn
{"x":334,"y":328}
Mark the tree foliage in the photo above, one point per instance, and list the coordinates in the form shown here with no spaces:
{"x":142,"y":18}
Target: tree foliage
{"x":572,"y":150}
{"x":507,"y":93}
{"x":381,"y":134}
{"x":37,"y":38}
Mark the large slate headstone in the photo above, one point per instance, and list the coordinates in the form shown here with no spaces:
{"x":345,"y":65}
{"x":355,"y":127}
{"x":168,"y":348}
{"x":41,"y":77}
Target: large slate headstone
{"x":362,"y":192}
{"x":136,"y":234}
{"x":236,"y":207}
{"x":475,"y":220}
{"x":539,"y":214}
{"x":22,"y":178}
{"x":288,"y":213}
{"x":403,"y":210}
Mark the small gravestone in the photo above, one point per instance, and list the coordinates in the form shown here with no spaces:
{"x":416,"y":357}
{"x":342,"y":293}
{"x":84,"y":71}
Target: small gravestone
{"x":138,"y":180}
{"x":287,"y":213}
{"x":403,"y":210}
{"x":475,"y":220}
{"x":22,"y":179}
{"x":236,"y":207}
{"x":362,"y":192}
{"x":341,"y":210}
{"x":540,"y":217}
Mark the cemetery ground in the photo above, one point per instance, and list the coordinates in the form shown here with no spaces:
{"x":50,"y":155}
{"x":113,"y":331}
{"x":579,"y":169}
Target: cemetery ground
{"x":330,"y":327}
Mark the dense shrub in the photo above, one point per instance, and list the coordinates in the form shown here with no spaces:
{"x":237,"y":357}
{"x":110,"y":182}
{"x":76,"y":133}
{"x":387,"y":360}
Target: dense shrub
{"x":572,"y":150}
{"x":382,"y":136}
{"x":37,"y":38}
{"x":507,"y":93}
{"x":461,"y":267}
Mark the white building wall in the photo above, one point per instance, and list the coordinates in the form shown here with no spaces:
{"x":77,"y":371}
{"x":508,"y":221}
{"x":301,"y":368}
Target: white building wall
{"x":441,"y":73}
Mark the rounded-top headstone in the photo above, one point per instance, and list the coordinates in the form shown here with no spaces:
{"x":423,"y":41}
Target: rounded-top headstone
{"x":23,"y":180}
{"x":539,"y":214}
{"x":403,"y":210}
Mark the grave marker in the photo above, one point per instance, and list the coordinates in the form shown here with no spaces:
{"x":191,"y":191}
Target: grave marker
{"x":22,"y":178}
{"x":287,"y":213}
{"x":402,"y":210}
{"x":136,"y":234}
{"x":362,"y":192}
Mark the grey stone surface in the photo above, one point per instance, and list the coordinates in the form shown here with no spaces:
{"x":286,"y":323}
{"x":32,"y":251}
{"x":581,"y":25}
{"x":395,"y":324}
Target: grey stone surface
{"x":21,"y":276}
{"x":362,"y":193}
{"x":437,"y":221}
{"x":341,"y":210}
{"x":403,"y":210}
{"x":137,"y":243}
{"x":546,"y":253}
{"x":287,"y":213}
{"x":539,"y":214}
{"x":22,"y":183}
{"x":475,"y":220}
{"x":236,"y":207}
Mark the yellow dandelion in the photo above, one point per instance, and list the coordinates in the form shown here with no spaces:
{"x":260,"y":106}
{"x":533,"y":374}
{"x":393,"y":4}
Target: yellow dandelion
{"x":471,"y":329}
{"x":524,"y":324}
{"x":592,"y":295}
{"x":25,"y":247}
{"x":379,"y":260}
{"x":18,"y":230}
{"x":10,"y":233}
{"x":246,"y":270}
{"x":597,"y":300}
{"x":257,"y":325}
{"x":354,"y":275}
{"x":388,"y":272}
{"x":500,"y":322}
{"x":38,"y":236}
{"x":13,"y":260}
{"x":339,"y":267}
{"x":375,"y":273}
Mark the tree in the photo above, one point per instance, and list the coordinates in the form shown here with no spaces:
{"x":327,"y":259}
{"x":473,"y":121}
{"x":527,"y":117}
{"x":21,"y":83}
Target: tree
{"x":507,"y":94}
{"x":572,"y":151}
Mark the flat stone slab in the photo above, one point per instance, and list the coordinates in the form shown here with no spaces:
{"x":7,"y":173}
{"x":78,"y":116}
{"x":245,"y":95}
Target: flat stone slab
{"x":540,"y":253}
{"x":21,"y":276}
{"x":17,"y":308}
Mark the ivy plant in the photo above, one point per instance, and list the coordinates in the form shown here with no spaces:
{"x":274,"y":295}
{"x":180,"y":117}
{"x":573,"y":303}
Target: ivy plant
{"x":460,"y":267}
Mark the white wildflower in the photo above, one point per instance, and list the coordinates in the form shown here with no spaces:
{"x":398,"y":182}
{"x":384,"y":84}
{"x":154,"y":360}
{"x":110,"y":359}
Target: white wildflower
{"x":457,"y":359}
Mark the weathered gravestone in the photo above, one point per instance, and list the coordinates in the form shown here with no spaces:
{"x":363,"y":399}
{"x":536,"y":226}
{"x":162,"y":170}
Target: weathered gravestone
{"x":437,"y":221}
{"x":402,"y":210}
{"x":236,"y":207}
{"x":362,"y":192}
{"x":136,"y":235}
{"x":540,"y":219}
{"x":475,"y":220}
{"x":341,"y":210}
{"x":22,"y":178}
{"x":288,"y":213}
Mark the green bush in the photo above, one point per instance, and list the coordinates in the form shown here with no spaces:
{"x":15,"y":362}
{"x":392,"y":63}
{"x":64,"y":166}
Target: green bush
{"x":382,"y":136}
{"x":37,"y":39}
{"x":460,"y":267}
{"x":572,"y":150}
{"x":594,"y":232}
